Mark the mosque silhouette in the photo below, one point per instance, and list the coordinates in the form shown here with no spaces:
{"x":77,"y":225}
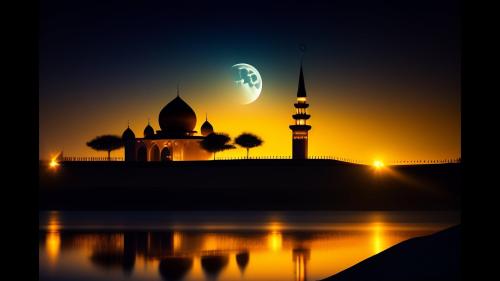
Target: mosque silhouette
{"x":178,"y":141}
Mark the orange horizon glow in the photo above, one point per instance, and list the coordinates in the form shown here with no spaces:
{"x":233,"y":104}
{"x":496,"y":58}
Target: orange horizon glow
{"x":342,"y":126}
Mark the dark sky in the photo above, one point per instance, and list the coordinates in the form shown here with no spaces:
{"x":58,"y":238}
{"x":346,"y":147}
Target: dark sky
{"x":403,"y":52}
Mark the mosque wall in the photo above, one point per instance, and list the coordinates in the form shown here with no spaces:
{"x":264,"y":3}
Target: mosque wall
{"x":170,"y":149}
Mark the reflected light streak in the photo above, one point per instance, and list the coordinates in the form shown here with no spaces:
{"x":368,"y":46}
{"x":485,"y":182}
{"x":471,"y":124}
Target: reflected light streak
{"x":275,"y":226}
{"x":378,"y":239}
{"x":177,"y":241}
{"x":53,"y":245}
{"x":53,"y":238}
{"x":210,"y":243}
{"x":275,"y":240}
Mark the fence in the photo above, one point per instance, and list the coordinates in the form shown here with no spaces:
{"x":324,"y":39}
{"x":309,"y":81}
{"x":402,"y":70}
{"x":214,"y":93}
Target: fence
{"x":419,"y":162}
{"x":290,"y":157}
{"x":343,"y":159}
{"x":92,"y":158}
{"x":349,"y":160}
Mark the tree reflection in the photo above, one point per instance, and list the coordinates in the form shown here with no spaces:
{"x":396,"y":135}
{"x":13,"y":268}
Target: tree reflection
{"x":174,"y":268}
{"x":242,"y":259}
{"x":107,"y":255}
{"x":213,"y":263}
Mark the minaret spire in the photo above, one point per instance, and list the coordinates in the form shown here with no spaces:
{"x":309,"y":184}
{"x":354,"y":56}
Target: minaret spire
{"x":177,"y":89}
{"x":206,"y":116}
{"x":300,"y":129}
{"x":301,"y":90}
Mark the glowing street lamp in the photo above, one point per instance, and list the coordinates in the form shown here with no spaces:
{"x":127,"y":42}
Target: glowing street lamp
{"x":53,"y":163}
{"x":378,"y":164}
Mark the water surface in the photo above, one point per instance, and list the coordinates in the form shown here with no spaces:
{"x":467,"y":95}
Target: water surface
{"x":220,"y":245}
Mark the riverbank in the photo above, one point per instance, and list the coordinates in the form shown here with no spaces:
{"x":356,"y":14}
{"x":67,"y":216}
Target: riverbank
{"x":248,"y":185}
{"x":433,"y":257}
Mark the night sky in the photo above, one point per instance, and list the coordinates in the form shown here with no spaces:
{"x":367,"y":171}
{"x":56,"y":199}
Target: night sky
{"x":382,"y":77}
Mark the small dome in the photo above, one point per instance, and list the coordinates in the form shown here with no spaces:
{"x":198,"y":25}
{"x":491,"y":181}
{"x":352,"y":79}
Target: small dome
{"x":177,"y":117}
{"x":206,"y":128}
{"x":128,"y":134}
{"x":149,"y":131}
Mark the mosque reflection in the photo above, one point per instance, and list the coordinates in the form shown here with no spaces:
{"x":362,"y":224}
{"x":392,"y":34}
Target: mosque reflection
{"x":174,"y":253}
{"x":215,"y":255}
{"x":300,"y":258}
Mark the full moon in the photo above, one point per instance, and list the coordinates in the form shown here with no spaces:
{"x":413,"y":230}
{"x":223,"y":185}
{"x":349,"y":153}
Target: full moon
{"x":247,"y":81}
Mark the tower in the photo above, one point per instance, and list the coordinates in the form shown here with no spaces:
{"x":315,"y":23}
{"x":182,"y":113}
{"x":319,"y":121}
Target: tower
{"x":300,"y":129}
{"x":128,"y":138}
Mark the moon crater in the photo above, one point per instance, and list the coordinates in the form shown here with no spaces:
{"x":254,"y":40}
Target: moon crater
{"x":247,"y":81}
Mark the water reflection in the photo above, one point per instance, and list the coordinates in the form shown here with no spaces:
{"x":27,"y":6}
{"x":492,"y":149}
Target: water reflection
{"x":275,"y":240}
{"x":242,"y":259}
{"x":114,"y":251}
{"x":213,"y":263}
{"x":53,"y":238}
{"x":378,"y":237}
{"x":52,"y":245}
{"x":268,"y":254}
{"x":174,"y":268}
{"x":300,"y":259}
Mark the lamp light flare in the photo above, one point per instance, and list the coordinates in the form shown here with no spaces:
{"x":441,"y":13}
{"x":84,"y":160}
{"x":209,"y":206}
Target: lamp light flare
{"x":378,"y":164}
{"x":53,"y":162}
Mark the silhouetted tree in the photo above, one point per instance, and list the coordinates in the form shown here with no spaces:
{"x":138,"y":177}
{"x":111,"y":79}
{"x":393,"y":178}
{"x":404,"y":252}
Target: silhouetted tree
{"x":247,"y":140}
{"x":216,"y":142}
{"x":106,"y":143}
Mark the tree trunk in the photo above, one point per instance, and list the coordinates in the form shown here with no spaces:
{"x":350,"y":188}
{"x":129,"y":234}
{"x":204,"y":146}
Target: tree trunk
{"x":214,"y":155}
{"x":109,"y":155}
{"x":247,"y":152}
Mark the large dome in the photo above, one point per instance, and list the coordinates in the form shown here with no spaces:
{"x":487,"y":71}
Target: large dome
{"x":177,"y":117}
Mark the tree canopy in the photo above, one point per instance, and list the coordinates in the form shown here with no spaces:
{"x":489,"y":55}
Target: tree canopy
{"x":216,"y":142}
{"x":106,"y":143}
{"x":248,"y":140}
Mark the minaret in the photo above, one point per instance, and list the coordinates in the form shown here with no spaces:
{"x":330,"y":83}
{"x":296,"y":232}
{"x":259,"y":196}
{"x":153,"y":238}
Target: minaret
{"x":300,"y":128}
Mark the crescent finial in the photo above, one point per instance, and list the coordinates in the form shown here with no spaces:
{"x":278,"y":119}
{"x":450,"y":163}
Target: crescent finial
{"x":302,"y":48}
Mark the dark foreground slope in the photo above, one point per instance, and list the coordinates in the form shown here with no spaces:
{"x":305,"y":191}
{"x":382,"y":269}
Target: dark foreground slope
{"x":433,"y":257}
{"x":248,"y":185}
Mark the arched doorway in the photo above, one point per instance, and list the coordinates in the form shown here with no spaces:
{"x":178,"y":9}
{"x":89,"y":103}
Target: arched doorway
{"x":155,"y":153}
{"x":166,"y":155}
{"x":142,"y":154}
